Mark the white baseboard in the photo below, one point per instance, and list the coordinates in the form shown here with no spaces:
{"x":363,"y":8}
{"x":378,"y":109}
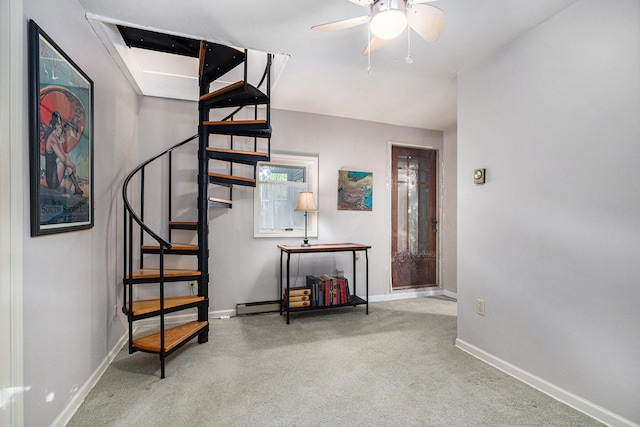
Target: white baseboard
{"x":65,"y":416}
{"x":450,"y":294}
{"x":222,"y":314}
{"x":408,"y":294}
{"x":589,"y":408}
{"x":176,"y":319}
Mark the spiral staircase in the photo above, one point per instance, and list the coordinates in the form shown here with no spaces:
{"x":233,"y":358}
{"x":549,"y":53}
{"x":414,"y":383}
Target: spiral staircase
{"x":233,"y":136}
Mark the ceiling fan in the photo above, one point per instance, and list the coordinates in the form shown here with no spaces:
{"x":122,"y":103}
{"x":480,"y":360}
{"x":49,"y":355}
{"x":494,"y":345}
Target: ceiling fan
{"x":388,"y":19}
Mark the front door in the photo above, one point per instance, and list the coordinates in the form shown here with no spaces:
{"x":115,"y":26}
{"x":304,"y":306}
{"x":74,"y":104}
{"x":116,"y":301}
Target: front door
{"x":414,"y":217}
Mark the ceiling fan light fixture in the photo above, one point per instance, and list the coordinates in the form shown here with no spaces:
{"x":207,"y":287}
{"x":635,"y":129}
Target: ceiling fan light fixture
{"x":388,"y":24}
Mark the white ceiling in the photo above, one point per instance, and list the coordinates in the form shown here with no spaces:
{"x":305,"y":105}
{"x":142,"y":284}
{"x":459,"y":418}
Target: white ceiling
{"x":326,"y":72}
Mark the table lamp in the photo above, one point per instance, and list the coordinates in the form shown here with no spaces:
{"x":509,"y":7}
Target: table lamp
{"x":306,"y":204}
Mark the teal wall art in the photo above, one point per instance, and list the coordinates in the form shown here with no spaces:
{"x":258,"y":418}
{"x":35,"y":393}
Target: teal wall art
{"x":355,"y":191}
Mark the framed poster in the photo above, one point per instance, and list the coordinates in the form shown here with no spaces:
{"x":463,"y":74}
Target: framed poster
{"x":355,"y":190}
{"x":60,"y":139}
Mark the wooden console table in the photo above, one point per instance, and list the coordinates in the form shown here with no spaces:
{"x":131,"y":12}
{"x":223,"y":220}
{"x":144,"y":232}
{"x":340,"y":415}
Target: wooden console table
{"x":323,"y":248}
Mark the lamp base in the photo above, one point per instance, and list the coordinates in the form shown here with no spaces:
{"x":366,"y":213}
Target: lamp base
{"x":305,"y":244}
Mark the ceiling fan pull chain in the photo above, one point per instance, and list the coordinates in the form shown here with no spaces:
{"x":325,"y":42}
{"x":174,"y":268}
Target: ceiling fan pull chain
{"x":369,"y":52}
{"x":409,"y":59}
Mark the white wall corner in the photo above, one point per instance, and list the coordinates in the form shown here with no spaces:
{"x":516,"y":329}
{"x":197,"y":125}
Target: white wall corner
{"x":12,"y":229}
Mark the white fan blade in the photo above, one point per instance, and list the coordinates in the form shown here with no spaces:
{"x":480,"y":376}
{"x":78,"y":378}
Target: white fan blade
{"x":428,"y":21}
{"x":364,"y":3}
{"x":374,"y":44}
{"x":342,"y":25}
{"x":421,"y":1}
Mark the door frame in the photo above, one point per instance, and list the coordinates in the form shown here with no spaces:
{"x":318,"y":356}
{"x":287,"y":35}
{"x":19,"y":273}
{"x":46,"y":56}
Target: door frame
{"x":12,"y":32}
{"x":439,"y":192}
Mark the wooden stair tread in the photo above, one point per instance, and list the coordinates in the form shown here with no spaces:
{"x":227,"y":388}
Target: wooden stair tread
{"x":183,"y":223}
{"x":221,"y":91}
{"x":235,"y":122}
{"x":174,"y":246}
{"x":230,"y":151}
{"x":231,"y":177}
{"x":154,"y":273}
{"x":172,"y":337}
{"x":151,"y":305}
{"x":201,"y":58}
{"x":219,"y":200}
{"x":240,"y":94}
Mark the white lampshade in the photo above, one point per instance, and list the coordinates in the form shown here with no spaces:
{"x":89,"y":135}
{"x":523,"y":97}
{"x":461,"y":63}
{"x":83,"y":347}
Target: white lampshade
{"x":306,"y":203}
{"x":388,"y":24}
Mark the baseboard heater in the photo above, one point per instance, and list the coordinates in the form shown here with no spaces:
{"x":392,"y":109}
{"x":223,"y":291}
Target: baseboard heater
{"x":257,"y":307}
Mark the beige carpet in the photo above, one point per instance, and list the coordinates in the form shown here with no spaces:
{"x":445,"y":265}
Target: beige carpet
{"x":398,"y":366}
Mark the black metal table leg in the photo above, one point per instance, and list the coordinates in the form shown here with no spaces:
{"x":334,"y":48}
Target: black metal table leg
{"x":288,"y":276}
{"x":366,"y":256}
{"x":355,"y":291}
{"x":280,"y":294}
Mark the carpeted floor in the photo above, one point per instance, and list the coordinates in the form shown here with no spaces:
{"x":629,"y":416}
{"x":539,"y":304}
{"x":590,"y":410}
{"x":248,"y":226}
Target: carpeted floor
{"x":398,"y":366}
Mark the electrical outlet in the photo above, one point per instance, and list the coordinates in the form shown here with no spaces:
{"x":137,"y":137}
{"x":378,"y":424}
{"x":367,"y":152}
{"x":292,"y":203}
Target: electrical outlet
{"x":480,"y":307}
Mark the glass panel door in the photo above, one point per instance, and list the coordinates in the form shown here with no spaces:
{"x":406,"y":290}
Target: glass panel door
{"x":414,"y":218}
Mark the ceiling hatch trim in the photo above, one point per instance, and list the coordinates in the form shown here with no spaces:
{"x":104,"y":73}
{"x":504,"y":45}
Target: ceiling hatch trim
{"x":164,"y":64}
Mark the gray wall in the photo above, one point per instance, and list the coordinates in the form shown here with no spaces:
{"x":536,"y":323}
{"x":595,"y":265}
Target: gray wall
{"x":245,"y":269}
{"x":70,"y":279}
{"x":552,"y":240}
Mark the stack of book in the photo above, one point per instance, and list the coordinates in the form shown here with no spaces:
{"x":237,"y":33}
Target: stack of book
{"x":328,"y":290}
{"x":297,"y":297}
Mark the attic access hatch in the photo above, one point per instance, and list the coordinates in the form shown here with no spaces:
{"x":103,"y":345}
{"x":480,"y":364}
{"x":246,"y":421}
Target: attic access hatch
{"x":165,"y":65}
{"x":167,"y":43}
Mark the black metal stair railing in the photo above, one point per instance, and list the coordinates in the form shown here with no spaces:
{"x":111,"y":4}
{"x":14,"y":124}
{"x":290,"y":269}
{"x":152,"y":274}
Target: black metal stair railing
{"x":129,"y":213}
{"x":241,"y":131}
{"x":265,"y":76}
{"x":130,"y":217}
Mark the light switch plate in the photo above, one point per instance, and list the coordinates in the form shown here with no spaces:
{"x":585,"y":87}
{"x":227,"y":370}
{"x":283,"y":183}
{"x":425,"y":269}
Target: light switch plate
{"x":479,"y":176}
